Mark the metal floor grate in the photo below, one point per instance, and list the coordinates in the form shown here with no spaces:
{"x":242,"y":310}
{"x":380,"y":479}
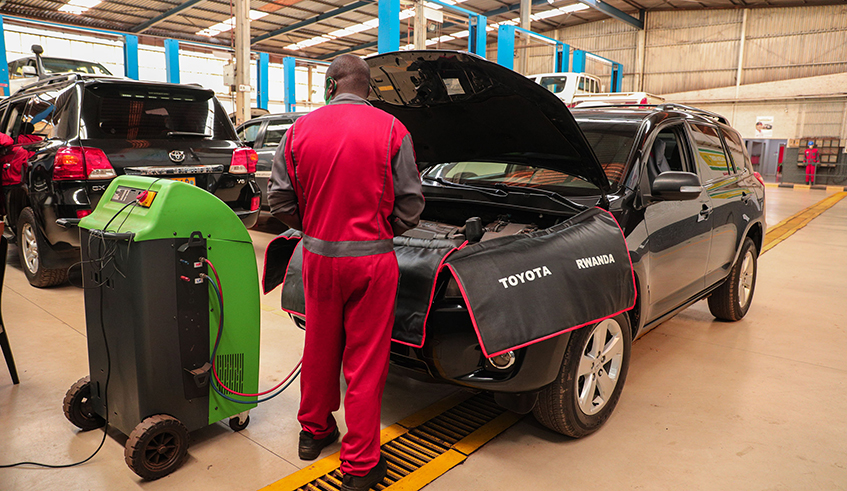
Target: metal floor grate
{"x":419,"y":448}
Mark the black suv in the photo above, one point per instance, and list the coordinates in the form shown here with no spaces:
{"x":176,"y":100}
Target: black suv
{"x":264,"y":135}
{"x":552,"y":238}
{"x":80,"y":131}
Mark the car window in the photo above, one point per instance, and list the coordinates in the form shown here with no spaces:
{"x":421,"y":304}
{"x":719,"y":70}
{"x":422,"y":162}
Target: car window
{"x":12,"y":120}
{"x":249,"y":132}
{"x":493,"y":173}
{"x":554,"y":84}
{"x":612,"y":142}
{"x":581,"y":83}
{"x":39,"y":117}
{"x":142,"y":112}
{"x":274,"y":134}
{"x":736,"y":150}
{"x":61,"y":65}
{"x":712,"y":162}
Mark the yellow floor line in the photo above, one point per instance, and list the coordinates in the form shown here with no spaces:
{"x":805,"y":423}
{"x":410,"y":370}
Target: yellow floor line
{"x":787,"y":227}
{"x":428,"y":472}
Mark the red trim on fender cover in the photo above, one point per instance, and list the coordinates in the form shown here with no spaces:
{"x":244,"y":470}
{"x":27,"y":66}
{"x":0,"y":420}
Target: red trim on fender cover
{"x":476,"y":326}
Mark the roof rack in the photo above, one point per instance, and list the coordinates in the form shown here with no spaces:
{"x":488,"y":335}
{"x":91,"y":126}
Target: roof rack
{"x":700,"y":112}
{"x":50,"y":80}
{"x":668,"y":106}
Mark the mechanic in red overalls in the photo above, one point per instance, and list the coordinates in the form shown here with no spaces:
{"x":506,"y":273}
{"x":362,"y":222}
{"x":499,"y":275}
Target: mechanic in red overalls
{"x":811,"y":158}
{"x":345,"y":175}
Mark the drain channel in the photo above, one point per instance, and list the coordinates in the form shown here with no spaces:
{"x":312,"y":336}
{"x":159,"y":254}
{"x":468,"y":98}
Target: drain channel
{"x":419,"y":448}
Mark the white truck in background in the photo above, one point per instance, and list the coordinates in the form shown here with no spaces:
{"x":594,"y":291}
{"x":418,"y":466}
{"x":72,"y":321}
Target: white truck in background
{"x":582,"y":89}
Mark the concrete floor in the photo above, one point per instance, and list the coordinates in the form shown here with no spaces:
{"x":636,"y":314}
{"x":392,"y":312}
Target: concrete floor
{"x":757,"y":404}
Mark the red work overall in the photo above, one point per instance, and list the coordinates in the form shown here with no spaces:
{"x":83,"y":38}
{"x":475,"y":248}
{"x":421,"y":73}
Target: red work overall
{"x":811,"y":157}
{"x":338,"y":160}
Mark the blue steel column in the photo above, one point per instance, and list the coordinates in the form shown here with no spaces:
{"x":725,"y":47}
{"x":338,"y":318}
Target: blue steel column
{"x":289,"y":94}
{"x":506,"y":46}
{"x":388,"y":34}
{"x":563,"y":54}
{"x":4,"y":67}
{"x":172,"y":60}
{"x":131,"y":56}
{"x":477,"y":34}
{"x":262,"y":95}
{"x":578,"y":60}
{"x":617,"y":71}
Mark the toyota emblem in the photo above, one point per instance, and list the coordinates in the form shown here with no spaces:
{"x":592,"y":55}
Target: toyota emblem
{"x":177,"y":156}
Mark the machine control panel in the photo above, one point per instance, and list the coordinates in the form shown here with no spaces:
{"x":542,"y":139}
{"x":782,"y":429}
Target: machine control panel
{"x":126,"y":195}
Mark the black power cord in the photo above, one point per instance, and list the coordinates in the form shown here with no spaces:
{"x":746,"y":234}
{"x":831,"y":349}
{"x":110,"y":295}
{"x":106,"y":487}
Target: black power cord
{"x":105,"y":258}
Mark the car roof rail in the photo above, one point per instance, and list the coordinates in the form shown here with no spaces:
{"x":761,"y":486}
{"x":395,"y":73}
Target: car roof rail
{"x":700,"y":112}
{"x":51,"y":80}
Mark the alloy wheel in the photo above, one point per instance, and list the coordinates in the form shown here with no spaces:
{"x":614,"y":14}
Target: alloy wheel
{"x":599,"y":367}
{"x":745,"y":279}
{"x":30,"y":248}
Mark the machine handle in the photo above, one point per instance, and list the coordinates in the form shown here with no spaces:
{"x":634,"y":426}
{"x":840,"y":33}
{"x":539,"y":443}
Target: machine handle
{"x":201,"y":375}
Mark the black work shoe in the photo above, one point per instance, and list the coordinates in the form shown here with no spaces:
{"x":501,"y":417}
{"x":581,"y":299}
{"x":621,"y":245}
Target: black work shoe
{"x":310,"y":447}
{"x":369,"y":480}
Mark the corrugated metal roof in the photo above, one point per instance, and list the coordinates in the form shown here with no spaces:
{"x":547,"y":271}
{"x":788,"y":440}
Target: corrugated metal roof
{"x":123,"y":15}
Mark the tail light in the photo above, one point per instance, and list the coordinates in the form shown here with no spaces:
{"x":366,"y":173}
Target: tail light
{"x":243,"y":161}
{"x":255,"y":202}
{"x":644,"y":100}
{"x":79,"y":163}
{"x":82,"y":213}
{"x":759,"y":177}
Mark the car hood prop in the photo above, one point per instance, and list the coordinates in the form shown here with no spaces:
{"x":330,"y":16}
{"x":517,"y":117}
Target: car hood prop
{"x":458,"y":107}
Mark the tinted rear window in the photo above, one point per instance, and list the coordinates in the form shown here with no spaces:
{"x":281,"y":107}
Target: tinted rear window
{"x":146,"y":113}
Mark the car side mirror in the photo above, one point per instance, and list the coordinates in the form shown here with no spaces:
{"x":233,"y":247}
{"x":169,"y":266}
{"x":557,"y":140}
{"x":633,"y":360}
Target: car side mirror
{"x":28,"y":71}
{"x":676,"y":186}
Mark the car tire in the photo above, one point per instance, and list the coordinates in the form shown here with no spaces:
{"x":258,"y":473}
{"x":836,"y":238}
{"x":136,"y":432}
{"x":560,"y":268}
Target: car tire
{"x":31,"y":244}
{"x":575,"y":404}
{"x":731,"y":300}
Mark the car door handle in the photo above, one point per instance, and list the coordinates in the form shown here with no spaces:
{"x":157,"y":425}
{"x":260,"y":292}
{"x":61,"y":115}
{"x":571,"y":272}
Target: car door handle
{"x":704,"y":213}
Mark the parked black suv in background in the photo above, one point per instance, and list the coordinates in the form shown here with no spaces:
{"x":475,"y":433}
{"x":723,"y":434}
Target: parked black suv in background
{"x":264,"y":134}
{"x":92,"y":129}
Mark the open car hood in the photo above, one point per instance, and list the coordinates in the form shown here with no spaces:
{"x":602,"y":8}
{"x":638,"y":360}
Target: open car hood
{"x":460,"y":107}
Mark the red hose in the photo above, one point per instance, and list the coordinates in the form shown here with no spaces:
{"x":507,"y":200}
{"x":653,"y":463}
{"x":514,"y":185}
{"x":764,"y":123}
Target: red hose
{"x":214,"y":370}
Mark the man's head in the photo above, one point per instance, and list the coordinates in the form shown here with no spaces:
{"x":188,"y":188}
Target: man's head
{"x":348,"y":74}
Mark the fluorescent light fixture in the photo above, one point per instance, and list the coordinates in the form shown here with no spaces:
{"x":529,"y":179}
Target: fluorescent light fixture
{"x":77,"y":7}
{"x":568,"y":9}
{"x":347,"y":31}
{"x":226,"y":25}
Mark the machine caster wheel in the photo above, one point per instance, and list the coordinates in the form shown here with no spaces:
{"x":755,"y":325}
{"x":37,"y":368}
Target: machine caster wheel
{"x":236,"y":426}
{"x":77,"y":406}
{"x":156,"y":447}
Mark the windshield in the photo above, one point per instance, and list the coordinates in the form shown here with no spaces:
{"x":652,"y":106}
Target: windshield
{"x":518,"y":175}
{"x":612,"y":142}
{"x":60,"y":65}
{"x":554,"y":84}
{"x":127,"y":112}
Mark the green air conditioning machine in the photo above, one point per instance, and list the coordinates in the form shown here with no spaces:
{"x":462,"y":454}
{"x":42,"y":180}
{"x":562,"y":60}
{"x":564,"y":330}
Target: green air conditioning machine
{"x":153,"y":318}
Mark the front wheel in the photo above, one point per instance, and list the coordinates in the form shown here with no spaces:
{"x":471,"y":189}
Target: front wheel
{"x":731,"y":301}
{"x":590,"y":382}
{"x":31,"y":245}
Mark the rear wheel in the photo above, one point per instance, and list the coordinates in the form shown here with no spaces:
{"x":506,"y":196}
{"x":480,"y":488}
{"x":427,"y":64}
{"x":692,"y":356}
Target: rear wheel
{"x":590,"y":382}
{"x":731,"y":301}
{"x":77,"y":406}
{"x":31,"y":244}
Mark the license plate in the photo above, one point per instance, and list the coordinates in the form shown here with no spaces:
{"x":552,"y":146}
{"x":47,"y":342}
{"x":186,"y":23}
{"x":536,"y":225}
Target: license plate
{"x":187,"y":180}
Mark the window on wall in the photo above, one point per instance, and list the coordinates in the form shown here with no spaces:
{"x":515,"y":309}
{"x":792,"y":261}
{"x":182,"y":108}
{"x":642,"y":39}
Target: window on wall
{"x":712,"y":162}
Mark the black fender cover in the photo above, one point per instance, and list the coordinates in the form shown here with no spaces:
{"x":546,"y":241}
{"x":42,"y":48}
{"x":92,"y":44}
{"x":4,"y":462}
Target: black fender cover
{"x":523,"y":289}
{"x":419,"y":262}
